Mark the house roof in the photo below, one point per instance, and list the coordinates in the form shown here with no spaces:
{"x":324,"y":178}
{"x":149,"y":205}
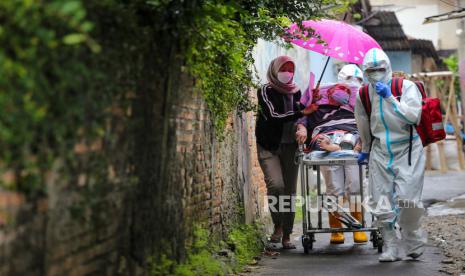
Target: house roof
{"x":424,"y":48}
{"x":387,"y":31}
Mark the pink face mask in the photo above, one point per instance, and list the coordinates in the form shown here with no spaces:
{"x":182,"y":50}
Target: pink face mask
{"x":285,"y":77}
{"x":340,"y":97}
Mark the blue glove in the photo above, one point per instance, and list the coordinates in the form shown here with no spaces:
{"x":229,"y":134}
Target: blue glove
{"x":383,"y":90}
{"x":362,"y":157}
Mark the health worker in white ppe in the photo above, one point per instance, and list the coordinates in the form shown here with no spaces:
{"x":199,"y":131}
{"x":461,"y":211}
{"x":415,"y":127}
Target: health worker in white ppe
{"x":395,"y":186}
{"x":343,"y":181}
{"x":351,"y":75}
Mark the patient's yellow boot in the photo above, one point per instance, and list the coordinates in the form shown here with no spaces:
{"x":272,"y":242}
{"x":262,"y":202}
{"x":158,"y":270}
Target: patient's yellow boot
{"x":359,"y":237}
{"x":338,"y":237}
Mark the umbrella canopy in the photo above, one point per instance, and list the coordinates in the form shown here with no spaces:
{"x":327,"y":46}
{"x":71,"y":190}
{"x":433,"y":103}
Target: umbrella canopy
{"x":342,"y":41}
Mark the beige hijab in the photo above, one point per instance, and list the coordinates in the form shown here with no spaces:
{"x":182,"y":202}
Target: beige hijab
{"x":272,"y":76}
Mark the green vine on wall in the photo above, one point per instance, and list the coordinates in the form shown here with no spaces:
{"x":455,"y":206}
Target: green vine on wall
{"x":219,"y":40}
{"x":217,"y":58}
{"x":59,"y":83}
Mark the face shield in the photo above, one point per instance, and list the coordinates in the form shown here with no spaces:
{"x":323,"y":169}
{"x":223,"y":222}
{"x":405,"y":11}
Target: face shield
{"x":375,"y":75}
{"x":377,"y":66}
{"x":351,"y":75}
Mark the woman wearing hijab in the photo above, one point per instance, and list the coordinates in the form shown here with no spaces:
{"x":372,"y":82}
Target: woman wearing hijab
{"x":279,"y":109}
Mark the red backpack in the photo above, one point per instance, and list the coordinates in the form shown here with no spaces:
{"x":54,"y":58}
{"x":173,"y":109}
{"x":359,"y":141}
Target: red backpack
{"x":431,"y":128}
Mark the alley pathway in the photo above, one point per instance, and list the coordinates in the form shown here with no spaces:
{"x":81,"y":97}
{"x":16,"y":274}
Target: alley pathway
{"x":349,"y":259}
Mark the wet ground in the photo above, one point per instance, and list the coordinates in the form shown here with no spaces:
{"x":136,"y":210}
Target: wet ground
{"x":347,"y":259}
{"x":442,"y":187}
{"x":453,"y":206}
{"x":444,"y":255}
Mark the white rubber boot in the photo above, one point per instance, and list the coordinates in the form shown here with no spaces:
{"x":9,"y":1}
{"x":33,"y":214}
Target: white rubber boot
{"x":391,"y":250}
{"x":413,"y":245}
{"x":413,"y":237}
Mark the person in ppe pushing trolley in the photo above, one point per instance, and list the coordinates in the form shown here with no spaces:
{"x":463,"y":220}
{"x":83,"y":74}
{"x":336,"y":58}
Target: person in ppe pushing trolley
{"x":397,"y":162}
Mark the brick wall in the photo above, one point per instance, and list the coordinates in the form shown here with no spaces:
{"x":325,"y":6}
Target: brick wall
{"x":47,"y":237}
{"x":219,"y":177}
{"x":84,"y":227}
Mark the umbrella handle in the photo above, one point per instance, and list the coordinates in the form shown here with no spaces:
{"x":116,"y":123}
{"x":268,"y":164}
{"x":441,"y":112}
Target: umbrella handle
{"x":322,"y":73}
{"x":327,"y":60}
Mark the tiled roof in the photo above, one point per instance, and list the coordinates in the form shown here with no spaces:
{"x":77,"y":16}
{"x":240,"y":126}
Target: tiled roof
{"x":387,"y":31}
{"x":424,"y":47}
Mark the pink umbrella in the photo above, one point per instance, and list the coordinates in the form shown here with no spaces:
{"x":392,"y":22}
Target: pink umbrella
{"x":341,"y":40}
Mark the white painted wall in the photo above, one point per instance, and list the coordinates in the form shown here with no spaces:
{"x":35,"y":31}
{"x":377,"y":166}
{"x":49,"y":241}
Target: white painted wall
{"x":447,"y":36}
{"x":411,"y":15}
{"x":305,"y":60}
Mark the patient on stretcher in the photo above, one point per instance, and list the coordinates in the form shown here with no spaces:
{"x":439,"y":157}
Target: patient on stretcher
{"x":339,"y":141}
{"x":335,"y":145}
{"x":332,"y":128}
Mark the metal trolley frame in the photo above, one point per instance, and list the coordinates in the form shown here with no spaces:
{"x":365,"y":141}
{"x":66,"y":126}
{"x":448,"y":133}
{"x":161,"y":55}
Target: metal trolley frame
{"x":309,"y":231}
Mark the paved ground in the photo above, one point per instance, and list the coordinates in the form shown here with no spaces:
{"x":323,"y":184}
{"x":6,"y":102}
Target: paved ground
{"x":349,"y":259}
{"x":441,"y":187}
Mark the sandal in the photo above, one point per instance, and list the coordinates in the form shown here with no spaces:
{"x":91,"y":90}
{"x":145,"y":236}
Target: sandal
{"x":288,"y":245}
{"x":277,"y":235}
{"x":275,"y":238}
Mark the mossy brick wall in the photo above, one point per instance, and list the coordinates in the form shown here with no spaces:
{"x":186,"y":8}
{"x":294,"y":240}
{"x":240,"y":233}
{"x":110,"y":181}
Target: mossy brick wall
{"x":221,"y":181}
{"x":48,"y":238}
{"x":111,"y":231}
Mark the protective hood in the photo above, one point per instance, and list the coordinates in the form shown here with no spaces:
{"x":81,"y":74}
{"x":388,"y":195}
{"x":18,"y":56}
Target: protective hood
{"x":350,"y":71}
{"x":376,"y":58}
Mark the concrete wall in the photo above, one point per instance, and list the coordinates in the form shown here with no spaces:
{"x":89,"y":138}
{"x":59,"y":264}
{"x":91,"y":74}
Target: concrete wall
{"x":447,"y":29}
{"x":423,"y":64}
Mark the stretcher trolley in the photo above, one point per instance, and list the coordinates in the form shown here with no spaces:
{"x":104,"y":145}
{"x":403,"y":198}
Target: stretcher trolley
{"x":352,"y":225}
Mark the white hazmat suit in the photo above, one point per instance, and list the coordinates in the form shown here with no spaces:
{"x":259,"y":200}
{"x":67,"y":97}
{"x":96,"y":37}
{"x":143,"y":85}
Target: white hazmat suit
{"x":395,"y":187}
{"x":344,"y":180}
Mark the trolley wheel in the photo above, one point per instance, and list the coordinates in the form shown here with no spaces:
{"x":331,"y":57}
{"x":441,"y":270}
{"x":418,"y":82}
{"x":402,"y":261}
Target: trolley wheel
{"x":380,"y":243}
{"x":307,"y":243}
{"x":374,"y":238}
{"x":377,"y":241}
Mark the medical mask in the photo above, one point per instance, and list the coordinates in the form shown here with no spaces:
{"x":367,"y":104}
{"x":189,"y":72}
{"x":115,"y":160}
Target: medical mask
{"x":340,"y":97}
{"x":376,"y":76}
{"x":285,"y":77}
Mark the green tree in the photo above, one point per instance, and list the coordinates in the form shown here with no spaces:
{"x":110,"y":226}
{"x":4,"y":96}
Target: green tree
{"x":53,"y":65}
{"x":106,"y":73}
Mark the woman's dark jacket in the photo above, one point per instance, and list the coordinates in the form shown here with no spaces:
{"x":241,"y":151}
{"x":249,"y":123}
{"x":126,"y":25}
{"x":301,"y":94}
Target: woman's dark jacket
{"x":271,"y":116}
